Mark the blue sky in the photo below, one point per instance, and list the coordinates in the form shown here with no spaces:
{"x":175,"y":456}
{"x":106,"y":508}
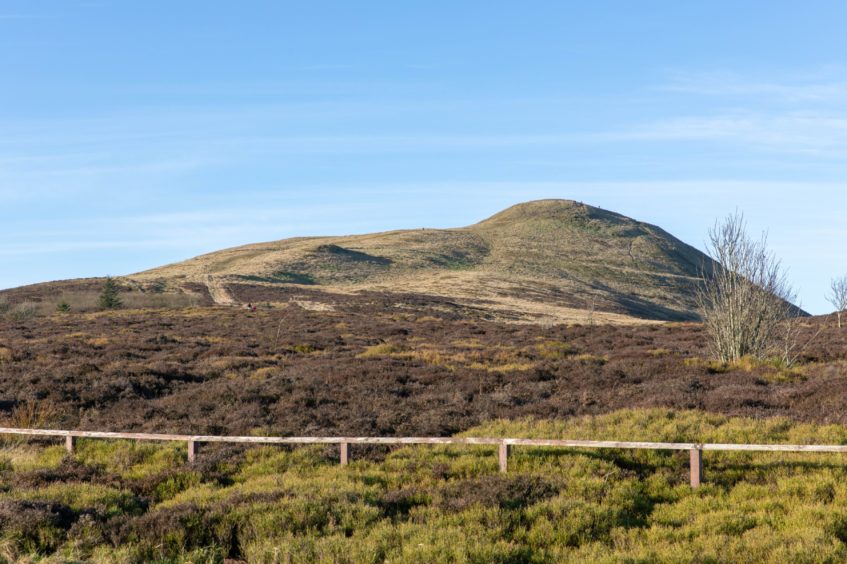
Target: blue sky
{"x":134,"y":134}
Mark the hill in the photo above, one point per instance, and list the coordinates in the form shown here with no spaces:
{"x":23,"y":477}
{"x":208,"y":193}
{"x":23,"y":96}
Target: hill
{"x":339,"y":358}
{"x":545,"y":259}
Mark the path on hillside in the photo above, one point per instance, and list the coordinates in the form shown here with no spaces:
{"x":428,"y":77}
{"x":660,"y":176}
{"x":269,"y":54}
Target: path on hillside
{"x":220,"y":295}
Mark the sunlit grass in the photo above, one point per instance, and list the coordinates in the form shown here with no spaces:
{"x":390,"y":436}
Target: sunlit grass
{"x":443,"y":503}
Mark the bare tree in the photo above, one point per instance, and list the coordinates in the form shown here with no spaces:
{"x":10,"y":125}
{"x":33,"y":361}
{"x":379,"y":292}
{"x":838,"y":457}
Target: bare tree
{"x":838,"y":296}
{"x":745,"y":298}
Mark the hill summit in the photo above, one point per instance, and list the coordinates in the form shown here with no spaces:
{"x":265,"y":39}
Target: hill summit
{"x":547,"y":258}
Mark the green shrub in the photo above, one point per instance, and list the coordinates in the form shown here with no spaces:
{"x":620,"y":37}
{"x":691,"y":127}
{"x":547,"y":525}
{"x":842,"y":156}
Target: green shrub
{"x":118,"y":501}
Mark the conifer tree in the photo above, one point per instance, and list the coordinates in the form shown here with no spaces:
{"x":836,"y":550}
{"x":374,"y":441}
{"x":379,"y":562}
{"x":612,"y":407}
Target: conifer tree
{"x":109,"y":298}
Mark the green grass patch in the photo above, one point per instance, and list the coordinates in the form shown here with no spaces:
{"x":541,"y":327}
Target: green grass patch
{"x":119,"y":501}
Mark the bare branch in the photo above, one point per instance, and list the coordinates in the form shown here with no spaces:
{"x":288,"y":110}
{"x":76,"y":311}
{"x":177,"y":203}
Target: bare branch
{"x":837,"y":296}
{"x":746,"y":298}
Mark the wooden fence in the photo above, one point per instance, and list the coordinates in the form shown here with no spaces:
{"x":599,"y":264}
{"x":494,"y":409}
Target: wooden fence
{"x":503,"y":445}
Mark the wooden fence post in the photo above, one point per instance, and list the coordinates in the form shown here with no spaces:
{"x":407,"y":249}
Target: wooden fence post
{"x":696,"y":466}
{"x":70,"y":442}
{"x":192,"y":451}
{"x":503,"y":456}
{"x":343,"y":453}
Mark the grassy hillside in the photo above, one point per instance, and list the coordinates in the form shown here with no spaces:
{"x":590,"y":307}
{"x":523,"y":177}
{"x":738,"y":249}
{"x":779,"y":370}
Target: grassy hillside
{"x":544,"y":258}
{"x":116,"y":501}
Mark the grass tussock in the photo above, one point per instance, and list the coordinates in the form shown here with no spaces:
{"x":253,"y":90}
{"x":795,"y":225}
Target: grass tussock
{"x":770,"y":369}
{"x":587,"y":358}
{"x":555,"y":350}
{"x":470,"y":354}
{"x":120,"y":501}
{"x":382,"y":349}
{"x":32,"y":414}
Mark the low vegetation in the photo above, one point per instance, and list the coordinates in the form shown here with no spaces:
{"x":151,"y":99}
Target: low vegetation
{"x":370,"y":364}
{"x":120,"y":501}
{"x":383,"y":364}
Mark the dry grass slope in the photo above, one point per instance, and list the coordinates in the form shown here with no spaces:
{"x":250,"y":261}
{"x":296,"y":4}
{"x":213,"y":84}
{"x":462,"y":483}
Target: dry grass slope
{"x":547,"y":259}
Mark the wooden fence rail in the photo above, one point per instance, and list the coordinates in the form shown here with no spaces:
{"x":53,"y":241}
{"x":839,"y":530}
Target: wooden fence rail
{"x":503,"y":450}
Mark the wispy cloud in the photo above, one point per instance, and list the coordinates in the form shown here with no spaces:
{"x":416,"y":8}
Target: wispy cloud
{"x":24,"y":16}
{"x":818,"y":85}
{"x":792,"y":132}
{"x":796,"y":113}
{"x":85,"y":245}
{"x":154,"y":166}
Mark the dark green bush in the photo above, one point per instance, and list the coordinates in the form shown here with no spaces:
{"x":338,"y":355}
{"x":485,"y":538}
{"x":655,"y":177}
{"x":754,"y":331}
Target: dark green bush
{"x":110,"y":295}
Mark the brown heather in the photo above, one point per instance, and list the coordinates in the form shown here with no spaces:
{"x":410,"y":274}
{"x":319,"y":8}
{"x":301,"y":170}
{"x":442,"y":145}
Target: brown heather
{"x":382,"y":364}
